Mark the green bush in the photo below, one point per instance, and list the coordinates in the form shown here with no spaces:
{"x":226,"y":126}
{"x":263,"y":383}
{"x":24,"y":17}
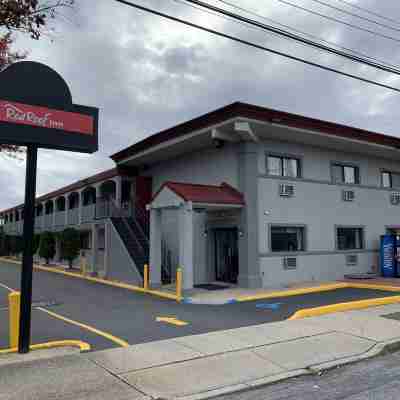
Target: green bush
{"x":47,"y":246}
{"x":70,"y":245}
{"x":36,"y":242}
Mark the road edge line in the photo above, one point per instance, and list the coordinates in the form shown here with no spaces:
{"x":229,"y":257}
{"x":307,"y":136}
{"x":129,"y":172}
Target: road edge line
{"x":121,"y":285}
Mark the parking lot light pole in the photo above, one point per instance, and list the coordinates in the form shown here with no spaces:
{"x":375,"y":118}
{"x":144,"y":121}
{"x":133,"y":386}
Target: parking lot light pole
{"x":27,"y":261}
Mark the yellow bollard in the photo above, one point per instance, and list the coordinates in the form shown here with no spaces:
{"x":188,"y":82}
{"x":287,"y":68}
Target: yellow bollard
{"x":146,"y":277}
{"x":179,"y":284}
{"x":14,"y":300}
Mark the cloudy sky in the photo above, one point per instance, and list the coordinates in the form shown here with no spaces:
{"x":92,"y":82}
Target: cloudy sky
{"x":146,"y":74}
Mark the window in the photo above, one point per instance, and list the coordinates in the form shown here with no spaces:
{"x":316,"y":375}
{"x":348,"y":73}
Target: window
{"x":342,"y":173}
{"x":283,"y":166}
{"x":350,"y":238}
{"x":287,"y":238}
{"x":390,"y":179}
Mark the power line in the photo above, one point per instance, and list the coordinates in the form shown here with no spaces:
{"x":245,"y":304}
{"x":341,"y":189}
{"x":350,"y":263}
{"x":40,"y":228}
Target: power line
{"x":339,"y":21}
{"x":300,"y":39}
{"x":246,"y":10}
{"x":368,"y":11}
{"x":355,"y":15}
{"x":254,"y":45}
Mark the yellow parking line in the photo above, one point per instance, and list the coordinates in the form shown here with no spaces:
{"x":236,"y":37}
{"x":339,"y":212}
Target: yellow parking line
{"x":172,"y":320}
{"x":83,"y":346}
{"x":89,"y":328}
{"x":6,"y":287}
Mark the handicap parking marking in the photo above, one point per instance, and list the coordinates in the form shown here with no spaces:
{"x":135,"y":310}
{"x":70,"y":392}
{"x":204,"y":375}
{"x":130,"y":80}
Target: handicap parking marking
{"x":268,"y":306}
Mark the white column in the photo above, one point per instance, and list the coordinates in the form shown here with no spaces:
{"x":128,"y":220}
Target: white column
{"x":186,"y":250}
{"x":155,"y":247}
{"x":43,"y":216}
{"x":94,"y":248}
{"x":80,"y":207}
{"x":66,"y":209}
{"x":54,"y":213}
{"x":118,"y":190}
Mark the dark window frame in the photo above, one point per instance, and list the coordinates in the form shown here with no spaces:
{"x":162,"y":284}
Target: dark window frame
{"x":343,"y":165}
{"x":282,"y":158}
{"x":356,"y":227}
{"x":391,"y":173}
{"x":304,"y":246}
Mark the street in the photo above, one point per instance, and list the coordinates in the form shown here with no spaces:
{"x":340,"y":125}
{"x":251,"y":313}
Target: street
{"x":70,"y":308}
{"x":376,"y":379}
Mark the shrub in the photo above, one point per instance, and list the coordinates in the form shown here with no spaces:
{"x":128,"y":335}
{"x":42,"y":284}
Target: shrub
{"x":70,"y":245}
{"x":47,"y":246}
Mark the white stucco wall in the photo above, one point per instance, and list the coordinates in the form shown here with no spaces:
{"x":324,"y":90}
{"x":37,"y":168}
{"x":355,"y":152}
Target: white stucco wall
{"x":210,"y":166}
{"x":319,"y":206}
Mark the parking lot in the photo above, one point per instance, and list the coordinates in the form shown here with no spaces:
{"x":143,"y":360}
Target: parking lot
{"x":104,"y":316}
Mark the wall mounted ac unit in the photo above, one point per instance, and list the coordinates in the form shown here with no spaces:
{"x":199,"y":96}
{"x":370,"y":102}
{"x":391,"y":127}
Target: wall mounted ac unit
{"x":351,"y":259}
{"x":289,"y":263}
{"x":348,"y":195}
{"x":395,"y":198}
{"x":286,"y":190}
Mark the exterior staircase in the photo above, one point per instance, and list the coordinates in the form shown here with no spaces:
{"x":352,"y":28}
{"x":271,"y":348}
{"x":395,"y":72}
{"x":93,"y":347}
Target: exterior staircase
{"x":134,"y":239}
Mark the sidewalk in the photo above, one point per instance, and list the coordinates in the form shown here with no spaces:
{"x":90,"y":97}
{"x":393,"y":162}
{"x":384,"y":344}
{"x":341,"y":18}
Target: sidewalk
{"x":202,"y":366}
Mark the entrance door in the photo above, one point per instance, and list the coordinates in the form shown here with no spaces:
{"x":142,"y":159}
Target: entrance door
{"x":226,"y":255}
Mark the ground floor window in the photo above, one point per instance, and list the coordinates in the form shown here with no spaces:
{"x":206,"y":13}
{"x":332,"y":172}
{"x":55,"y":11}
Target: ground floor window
{"x":287,"y":238}
{"x":350,"y":238}
{"x":85,"y":240}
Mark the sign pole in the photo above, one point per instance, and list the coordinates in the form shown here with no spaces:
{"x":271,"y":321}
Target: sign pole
{"x":27,"y":261}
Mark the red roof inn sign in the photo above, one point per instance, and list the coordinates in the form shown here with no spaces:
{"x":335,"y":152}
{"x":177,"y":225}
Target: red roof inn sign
{"x":23,"y":114}
{"x":36,"y":110}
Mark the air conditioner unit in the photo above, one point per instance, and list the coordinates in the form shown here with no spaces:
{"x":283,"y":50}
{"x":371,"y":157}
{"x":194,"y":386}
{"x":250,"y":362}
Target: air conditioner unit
{"x":351,"y":259}
{"x":395,"y":198}
{"x":286,"y":190}
{"x":348,"y":195}
{"x":289,"y":263}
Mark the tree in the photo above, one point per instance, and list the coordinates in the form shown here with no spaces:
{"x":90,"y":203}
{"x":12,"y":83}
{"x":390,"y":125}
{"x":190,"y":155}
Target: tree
{"x":70,"y":245}
{"x":8,"y":57}
{"x":30,"y":16}
{"x":47,"y":246}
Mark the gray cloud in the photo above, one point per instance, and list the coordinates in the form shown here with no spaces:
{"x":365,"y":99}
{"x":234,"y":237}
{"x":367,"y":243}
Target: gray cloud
{"x":146,"y":74}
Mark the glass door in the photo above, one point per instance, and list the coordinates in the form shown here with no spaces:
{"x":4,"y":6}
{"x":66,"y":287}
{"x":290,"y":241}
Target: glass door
{"x":226,"y":255}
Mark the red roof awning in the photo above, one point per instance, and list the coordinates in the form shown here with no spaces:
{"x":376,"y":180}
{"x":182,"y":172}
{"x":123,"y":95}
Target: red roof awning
{"x":205,"y":194}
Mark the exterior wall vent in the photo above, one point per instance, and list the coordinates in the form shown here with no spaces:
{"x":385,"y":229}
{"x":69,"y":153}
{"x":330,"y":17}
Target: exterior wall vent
{"x":395,"y":198}
{"x":348,"y":195}
{"x":289,"y":263}
{"x":286,"y":190}
{"x":351,"y":259}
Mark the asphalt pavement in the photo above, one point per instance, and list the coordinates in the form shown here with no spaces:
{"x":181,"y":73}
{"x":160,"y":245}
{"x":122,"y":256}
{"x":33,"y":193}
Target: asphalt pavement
{"x":376,"y":379}
{"x":132,"y":316}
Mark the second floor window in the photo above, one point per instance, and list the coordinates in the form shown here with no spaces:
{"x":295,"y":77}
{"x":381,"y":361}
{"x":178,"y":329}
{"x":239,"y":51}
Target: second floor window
{"x":283,"y":166}
{"x":342,"y":173}
{"x":390,"y":179}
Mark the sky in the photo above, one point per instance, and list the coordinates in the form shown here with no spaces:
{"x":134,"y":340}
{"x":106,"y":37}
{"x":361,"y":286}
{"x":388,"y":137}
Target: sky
{"x":146,"y":74}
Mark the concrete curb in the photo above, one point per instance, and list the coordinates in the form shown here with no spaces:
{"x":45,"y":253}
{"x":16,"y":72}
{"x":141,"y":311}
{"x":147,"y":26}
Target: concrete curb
{"x":340,"y":307}
{"x":377,"y":349}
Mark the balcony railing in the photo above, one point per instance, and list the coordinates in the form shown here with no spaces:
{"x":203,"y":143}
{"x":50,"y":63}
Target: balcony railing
{"x":59,"y":218}
{"x":73,"y":216}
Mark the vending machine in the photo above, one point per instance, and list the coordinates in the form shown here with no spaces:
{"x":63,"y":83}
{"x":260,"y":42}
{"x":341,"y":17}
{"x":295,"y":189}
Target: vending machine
{"x":390,"y":256}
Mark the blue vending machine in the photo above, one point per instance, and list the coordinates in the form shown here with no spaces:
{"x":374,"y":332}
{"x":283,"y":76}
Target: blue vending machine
{"x":390,"y":256}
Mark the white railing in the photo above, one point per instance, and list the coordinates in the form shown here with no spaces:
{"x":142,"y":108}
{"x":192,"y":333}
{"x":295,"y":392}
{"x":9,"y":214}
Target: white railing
{"x":88,"y":213}
{"x":60,"y":218}
{"x":48,"y":221}
{"x":73,"y":216}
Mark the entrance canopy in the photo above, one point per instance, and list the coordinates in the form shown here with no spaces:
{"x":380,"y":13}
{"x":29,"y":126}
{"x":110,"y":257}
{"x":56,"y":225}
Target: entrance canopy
{"x":174,"y":194}
{"x":186,"y":201}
